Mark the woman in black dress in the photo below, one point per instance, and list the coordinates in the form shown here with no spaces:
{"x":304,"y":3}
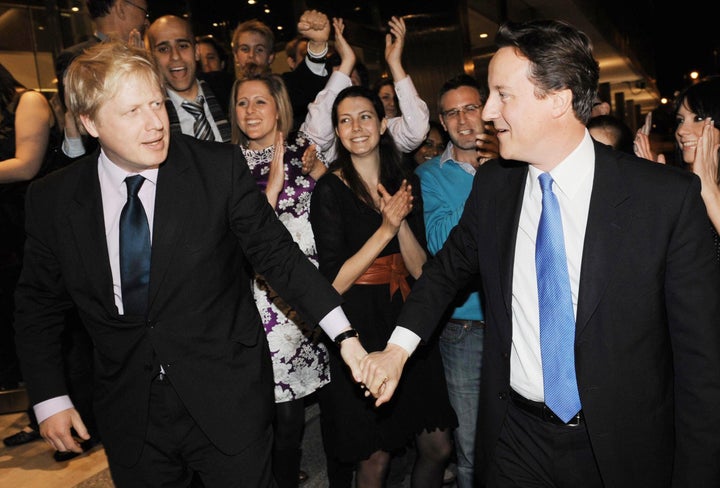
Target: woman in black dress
{"x":367,"y":218}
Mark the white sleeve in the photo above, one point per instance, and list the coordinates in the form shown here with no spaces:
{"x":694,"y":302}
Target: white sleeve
{"x":410,"y":129}
{"x":318,"y":123}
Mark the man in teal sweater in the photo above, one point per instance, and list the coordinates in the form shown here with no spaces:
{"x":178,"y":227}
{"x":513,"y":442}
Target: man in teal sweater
{"x":446,"y":181}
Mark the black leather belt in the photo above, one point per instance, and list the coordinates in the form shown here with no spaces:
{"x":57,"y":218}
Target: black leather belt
{"x":467,"y":323}
{"x":542,"y":411}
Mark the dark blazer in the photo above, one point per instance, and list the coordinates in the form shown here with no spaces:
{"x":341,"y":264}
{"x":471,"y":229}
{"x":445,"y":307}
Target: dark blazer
{"x":647,"y":343}
{"x":211,"y":224}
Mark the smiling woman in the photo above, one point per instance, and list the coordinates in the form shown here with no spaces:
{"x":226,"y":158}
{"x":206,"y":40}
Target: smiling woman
{"x":368,"y":223}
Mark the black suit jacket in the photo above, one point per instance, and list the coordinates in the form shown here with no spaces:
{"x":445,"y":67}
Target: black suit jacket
{"x":211,"y":224}
{"x":647,"y":340}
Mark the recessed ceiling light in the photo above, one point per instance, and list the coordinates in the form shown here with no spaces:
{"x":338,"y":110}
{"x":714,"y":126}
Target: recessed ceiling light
{"x":484,"y":35}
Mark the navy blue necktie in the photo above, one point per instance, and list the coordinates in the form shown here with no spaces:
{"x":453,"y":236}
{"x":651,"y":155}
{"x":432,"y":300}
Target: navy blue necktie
{"x":557,"y":319}
{"x":134,"y":250}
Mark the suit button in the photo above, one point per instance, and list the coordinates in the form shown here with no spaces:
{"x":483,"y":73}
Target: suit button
{"x":502,"y":395}
{"x":505,"y":355}
{"x":150,"y":324}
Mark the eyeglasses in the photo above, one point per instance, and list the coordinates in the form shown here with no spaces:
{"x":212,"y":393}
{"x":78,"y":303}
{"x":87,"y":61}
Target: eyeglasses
{"x":471,"y":109}
{"x":146,"y":11}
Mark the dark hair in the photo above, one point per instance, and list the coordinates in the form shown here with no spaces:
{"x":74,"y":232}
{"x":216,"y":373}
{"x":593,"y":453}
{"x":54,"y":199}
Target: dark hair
{"x":560,"y":56}
{"x":219,"y":48}
{"x":703,"y":99}
{"x":8,"y":95}
{"x":99,"y":8}
{"x":621,"y":134}
{"x":388,"y":82}
{"x":392,"y":167}
{"x":434,"y":124}
{"x":461,"y":80}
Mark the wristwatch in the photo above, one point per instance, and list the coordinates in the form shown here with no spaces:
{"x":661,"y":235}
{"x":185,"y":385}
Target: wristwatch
{"x":346,"y":335}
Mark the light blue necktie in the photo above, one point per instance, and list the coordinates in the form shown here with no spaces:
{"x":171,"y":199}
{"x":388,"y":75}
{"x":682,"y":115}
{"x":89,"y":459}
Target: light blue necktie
{"x":557,"y":320}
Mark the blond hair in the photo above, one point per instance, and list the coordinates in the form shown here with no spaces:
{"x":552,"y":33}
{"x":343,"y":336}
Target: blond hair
{"x":275,"y":86}
{"x":258,"y":27}
{"x":97,"y":74}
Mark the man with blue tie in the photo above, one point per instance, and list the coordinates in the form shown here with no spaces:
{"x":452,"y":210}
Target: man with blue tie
{"x":602,"y":300}
{"x":153,"y":238}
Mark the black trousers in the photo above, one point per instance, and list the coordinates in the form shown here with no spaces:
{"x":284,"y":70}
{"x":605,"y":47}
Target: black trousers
{"x":533,"y":453}
{"x":176,"y":450}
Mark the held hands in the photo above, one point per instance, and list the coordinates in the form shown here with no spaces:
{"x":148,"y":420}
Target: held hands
{"x":381,"y":372}
{"x":395,"y":208}
{"x":56,"y":430}
{"x":487,"y":144}
{"x":352,"y":353}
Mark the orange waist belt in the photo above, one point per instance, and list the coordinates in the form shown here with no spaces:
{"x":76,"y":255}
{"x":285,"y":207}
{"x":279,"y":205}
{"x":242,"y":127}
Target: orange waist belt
{"x":387,"y":270}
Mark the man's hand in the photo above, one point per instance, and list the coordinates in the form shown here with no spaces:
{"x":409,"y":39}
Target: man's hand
{"x":352,"y":353}
{"x":315,"y":26}
{"x":56,"y":430}
{"x":381,"y":372}
{"x":487,"y":144}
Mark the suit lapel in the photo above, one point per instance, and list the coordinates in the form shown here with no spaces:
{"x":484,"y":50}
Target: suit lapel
{"x":608,"y":218}
{"x":507,"y":211}
{"x":88,"y":228}
{"x":173,"y":200}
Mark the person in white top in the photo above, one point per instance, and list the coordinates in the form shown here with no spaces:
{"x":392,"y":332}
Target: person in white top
{"x":408,"y":130}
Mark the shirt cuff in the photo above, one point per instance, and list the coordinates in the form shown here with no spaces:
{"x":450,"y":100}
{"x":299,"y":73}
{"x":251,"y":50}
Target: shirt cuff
{"x":48,"y":408}
{"x":334,"y":322}
{"x":404,"y":338}
{"x":73,"y":147}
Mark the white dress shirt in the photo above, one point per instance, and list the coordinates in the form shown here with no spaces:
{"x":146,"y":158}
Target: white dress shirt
{"x":187,"y":120}
{"x":573,"y":185}
{"x":573,"y":179}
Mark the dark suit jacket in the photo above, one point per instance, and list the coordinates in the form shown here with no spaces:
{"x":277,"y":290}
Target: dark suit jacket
{"x":647,"y":343}
{"x":211,"y":224}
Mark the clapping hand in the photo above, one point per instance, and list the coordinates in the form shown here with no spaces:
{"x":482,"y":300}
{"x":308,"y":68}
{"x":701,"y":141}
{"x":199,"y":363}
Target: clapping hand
{"x":395,"y":208}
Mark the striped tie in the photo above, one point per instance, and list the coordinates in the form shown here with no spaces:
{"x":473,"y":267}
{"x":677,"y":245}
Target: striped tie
{"x":202,"y":128}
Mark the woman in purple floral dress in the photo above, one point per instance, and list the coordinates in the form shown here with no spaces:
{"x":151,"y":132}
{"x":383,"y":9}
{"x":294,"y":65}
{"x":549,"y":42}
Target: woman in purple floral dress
{"x":286,"y":170}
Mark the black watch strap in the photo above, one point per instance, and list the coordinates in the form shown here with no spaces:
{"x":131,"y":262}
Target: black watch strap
{"x":346,"y":335}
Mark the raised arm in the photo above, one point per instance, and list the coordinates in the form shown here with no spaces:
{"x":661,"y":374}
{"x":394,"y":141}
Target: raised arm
{"x":410,"y":128}
{"x":317,"y":125}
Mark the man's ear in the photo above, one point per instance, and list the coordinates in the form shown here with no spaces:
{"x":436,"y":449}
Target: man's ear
{"x":197,"y":54}
{"x":562,"y":102}
{"x":271,"y":58}
{"x":89,"y":125}
{"x":119,"y":9}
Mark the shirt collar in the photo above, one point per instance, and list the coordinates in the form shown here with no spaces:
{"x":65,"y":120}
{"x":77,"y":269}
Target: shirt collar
{"x":117,"y":175}
{"x":175,"y":97}
{"x":572,"y":170}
